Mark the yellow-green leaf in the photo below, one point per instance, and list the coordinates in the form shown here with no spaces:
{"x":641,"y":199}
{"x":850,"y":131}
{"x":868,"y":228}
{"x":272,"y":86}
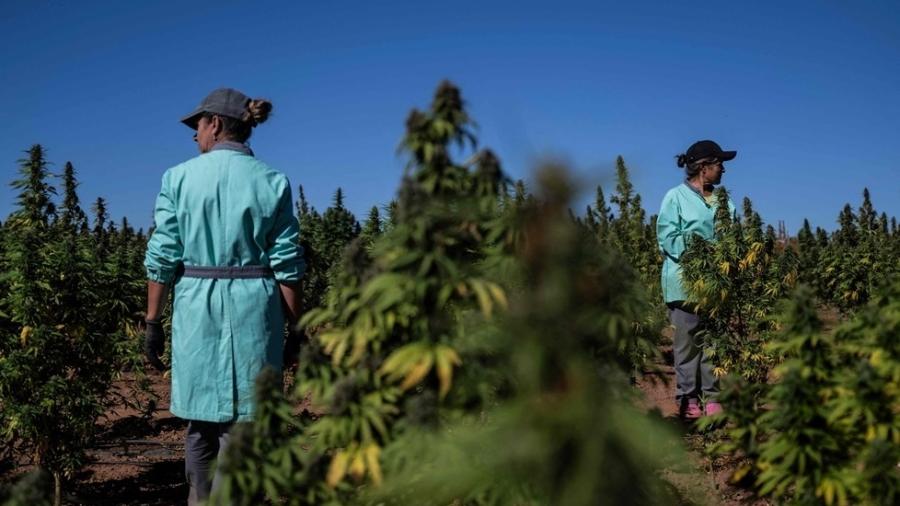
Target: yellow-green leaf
{"x":402,"y":359}
{"x":499,"y":295}
{"x":372,"y":452}
{"x":357,"y":465}
{"x":417,"y":372}
{"x":445,"y":358}
{"x":740,"y":473}
{"x":484,"y":299}
{"x":26,"y":333}
{"x":338,"y":468}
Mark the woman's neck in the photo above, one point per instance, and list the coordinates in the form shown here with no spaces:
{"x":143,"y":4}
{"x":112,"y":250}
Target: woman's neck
{"x":699,"y":184}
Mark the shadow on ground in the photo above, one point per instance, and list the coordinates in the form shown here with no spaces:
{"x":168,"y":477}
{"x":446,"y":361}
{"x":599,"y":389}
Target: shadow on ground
{"x":161,"y":483}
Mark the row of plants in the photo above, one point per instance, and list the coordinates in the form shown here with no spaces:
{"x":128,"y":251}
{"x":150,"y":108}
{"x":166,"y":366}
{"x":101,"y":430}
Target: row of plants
{"x":811,"y":412}
{"x":847,"y":267}
{"x":824,"y":428}
{"x":69,"y":297}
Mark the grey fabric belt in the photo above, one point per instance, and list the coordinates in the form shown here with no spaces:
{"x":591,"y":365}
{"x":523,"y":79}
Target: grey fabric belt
{"x":232,"y":272}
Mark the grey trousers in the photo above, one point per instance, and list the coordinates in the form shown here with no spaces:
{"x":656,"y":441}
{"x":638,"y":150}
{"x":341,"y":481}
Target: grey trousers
{"x":204,"y":444}
{"x":693,"y":369}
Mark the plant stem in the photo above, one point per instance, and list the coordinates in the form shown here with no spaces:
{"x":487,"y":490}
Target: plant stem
{"x":57,"y":489}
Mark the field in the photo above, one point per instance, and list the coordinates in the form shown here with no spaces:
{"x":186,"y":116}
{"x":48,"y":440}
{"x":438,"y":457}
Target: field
{"x":478,"y":345}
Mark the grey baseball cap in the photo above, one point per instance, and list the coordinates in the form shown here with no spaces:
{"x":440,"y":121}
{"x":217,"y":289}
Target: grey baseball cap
{"x":223,"y":101}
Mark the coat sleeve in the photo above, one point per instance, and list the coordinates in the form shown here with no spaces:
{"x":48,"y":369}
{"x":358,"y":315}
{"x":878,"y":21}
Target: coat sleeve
{"x":668,"y":228}
{"x":165,"y":249}
{"x":285,"y":253}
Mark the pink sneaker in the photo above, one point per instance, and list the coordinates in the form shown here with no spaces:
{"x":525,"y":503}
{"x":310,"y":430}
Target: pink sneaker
{"x":690,"y":409}
{"x":713,"y":408}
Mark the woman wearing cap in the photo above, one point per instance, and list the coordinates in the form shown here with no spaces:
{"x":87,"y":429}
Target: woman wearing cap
{"x":226,"y":242}
{"x":689,"y":209}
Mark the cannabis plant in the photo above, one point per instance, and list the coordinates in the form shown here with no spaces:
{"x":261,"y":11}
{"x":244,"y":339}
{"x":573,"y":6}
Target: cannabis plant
{"x":60,"y":348}
{"x":566,"y":432}
{"x":803,"y":457}
{"x":735,"y":281}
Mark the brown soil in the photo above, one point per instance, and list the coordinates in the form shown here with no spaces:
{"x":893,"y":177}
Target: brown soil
{"x":705,"y":480}
{"x":138,"y":458}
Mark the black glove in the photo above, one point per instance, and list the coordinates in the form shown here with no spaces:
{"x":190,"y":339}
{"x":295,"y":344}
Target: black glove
{"x":155,"y":343}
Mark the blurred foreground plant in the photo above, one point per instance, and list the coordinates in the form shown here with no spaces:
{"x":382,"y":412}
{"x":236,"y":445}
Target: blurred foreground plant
{"x":567,"y":433}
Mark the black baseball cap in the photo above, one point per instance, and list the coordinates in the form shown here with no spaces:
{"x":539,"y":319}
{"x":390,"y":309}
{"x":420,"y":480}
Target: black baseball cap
{"x":707,"y":149}
{"x":223,"y":101}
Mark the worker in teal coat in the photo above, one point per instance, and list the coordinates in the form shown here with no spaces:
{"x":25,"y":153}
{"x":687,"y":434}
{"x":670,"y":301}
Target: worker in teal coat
{"x":226,"y":242}
{"x":689,"y":209}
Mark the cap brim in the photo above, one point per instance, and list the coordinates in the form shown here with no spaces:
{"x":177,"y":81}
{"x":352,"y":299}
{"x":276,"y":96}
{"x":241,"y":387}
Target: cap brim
{"x":727,"y":155}
{"x":193,"y":118}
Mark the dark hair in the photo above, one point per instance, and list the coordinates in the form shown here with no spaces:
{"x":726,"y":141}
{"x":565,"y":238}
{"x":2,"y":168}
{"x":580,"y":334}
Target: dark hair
{"x":691,"y":169}
{"x":239,"y":130}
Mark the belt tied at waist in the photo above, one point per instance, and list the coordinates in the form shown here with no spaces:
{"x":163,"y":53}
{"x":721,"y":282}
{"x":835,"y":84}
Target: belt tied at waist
{"x":229,"y":272}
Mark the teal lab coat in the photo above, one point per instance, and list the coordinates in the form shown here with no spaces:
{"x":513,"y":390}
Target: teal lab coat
{"x":684,"y":213}
{"x":223,"y":208}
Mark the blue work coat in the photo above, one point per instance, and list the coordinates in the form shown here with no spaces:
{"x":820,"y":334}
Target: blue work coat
{"x":684,"y":213}
{"x":223,"y":208}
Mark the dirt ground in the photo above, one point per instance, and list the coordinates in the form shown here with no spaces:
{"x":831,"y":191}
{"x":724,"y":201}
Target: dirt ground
{"x":138,"y":459}
{"x":705,"y":481}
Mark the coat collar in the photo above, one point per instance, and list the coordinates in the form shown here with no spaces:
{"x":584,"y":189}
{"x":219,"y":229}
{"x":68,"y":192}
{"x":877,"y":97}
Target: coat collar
{"x":697,"y":193}
{"x":686,"y":183}
{"x":233,"y":146}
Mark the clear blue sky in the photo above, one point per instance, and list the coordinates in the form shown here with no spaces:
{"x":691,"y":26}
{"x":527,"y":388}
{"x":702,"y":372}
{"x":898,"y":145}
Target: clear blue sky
{"x":808,"y":92}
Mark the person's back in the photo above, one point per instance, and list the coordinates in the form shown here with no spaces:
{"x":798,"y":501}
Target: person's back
{"x":226,"y":242}
{"x":228,"y":209}
{"x":233,"y":194}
